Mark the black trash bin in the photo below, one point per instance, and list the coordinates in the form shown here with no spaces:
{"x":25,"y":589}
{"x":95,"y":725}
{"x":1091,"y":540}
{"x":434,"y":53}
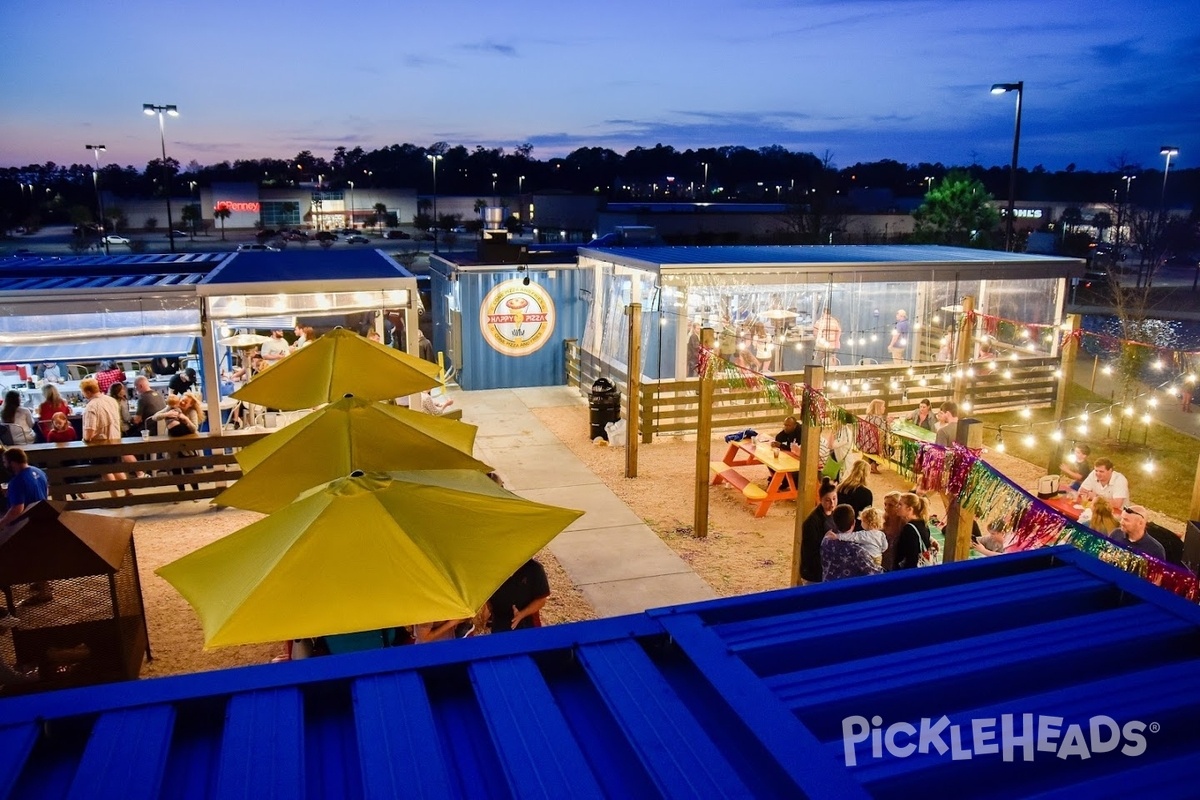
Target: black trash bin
{"x":604,"y":405}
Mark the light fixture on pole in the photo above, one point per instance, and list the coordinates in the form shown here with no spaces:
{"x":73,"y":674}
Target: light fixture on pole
{"x":351,"y":223}
{"x":494,"y":176}
{"x":434,"y":159}
{"x":1168,"y":151}
{"x":928,"y":183}
{"x":520,"y":184}
{"x":1019,"y":88}
{"x":150,"y":109}
{"x":98,"y":149}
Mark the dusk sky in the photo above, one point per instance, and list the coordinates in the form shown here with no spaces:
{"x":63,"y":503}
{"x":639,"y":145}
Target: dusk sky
{"x":861,"y":79}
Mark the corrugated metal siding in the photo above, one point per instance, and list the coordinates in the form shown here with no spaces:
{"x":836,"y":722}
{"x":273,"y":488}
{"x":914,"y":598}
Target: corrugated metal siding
{"x":484,"y":368}
{"x":742,"y":697}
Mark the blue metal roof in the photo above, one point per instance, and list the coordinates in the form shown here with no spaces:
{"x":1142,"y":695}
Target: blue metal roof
{"x":311,"y":265}
{"x":30,"y":274}
{"x":745,"y":696}
{"x":655,"y":258}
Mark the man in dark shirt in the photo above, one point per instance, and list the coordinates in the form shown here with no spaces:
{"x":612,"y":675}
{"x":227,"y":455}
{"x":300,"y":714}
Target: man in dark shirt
{"x":28,"y":485}
{"x":183,"y":382}
{"x":149,"y":403}
{"x":1133,"y":533}
{"x":516,"y":603}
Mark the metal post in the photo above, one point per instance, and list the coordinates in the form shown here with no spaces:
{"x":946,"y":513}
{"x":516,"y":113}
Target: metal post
{"x":810,"y":436}
{"x":1066,"y":364}
{"x":965,"y":347}
{"x":633,"y":385}
{"x":959,"y":521}
{"x":703,"y":442}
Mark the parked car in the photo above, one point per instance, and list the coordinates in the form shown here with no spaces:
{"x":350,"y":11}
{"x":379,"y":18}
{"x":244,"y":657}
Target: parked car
{"x":326,"y":236}
{"x":246,"y":248}
{"x":295,"y":236}
{"x":265,"y":234}
{"x":178,"y":234}
{"x":396,"y":235}
{"x":357,"y":238}
{"x":113,"y":238}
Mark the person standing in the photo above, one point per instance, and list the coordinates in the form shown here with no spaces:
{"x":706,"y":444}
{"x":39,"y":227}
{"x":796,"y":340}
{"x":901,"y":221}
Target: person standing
{"x":101,"y":424}
{"x":818,"y":523}
{"x":28,"y":485}
{"x":693,"y":350}
{"x":183,"y":382}
{"x":518,"y":602}
{"x":149,"y":403}
{"x":914,"y":536}
{"x":828,"y":333}
{"x":108,"y":374}
{"x":898,"y":344}
{"x":853,"y":490}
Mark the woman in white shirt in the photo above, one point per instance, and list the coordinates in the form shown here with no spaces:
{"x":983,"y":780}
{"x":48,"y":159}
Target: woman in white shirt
{"x":18,"y":418}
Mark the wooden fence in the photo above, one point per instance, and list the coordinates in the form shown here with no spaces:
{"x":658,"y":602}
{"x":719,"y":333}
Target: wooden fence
{"x":194,"y":467}
{"x":670,"y":406}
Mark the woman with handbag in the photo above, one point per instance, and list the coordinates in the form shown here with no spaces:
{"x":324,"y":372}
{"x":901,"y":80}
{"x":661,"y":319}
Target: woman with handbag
{"x":914,"y":541}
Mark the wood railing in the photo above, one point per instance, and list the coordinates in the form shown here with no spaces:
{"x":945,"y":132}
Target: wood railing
{"x":194,"y":467}
{"x":670,"y":406}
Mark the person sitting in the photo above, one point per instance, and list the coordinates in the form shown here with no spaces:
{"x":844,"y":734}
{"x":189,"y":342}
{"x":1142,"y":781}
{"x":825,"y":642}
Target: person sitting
{"x":52,"y":404}
{"x":869,"y":535}
{"x":434,"y":406}
{"x":108,"y":374}
{"x":843,"y":555}
{"x":922,"y":416}
{"x":61,"y":429}
{"x":790,"y":435}
{"x":872,"y":433}
{"x":18,"y":418}
{"x":1077,"y":466}
{"x":853,"y":490}
{"x":1133,"y":534}
{"x":50,"y":372}
{"x":1100,"y":517}
{"x":1104,"y":481}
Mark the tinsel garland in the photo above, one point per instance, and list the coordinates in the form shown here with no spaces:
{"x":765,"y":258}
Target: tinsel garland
{"x":1035,"y":524}
{"x":931,"y":462}
{"x":907,"y":455}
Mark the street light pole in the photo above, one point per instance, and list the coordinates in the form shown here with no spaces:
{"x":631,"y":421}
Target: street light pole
{"x":1019,"y":88}
{"x":1168,"y":151}
{"x":705,"y":163}
{"x":434,"y":159}
{"x":520,"y":184}
{"x":350,"y":224}
{"x":98,"y":149}
{"x":150,"y":109}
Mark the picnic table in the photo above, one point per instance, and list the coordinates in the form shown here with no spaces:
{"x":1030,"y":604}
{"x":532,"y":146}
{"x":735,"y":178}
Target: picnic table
{"x":750,"y":453}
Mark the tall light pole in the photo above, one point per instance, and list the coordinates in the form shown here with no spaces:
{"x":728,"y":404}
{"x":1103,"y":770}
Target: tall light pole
{"x":1121,"y":212}
{"x":98,"y":149}
{"x":434,"y":159}
{"x":1019,"y":88}
{"x":520,"y":184}
{"x":494,"y":176}
{"x":705,"y":163}
{"x":350,"y":224}
{"x":928,"y":184}
{"x":1168,"y":151}
{"x":150,"y":109}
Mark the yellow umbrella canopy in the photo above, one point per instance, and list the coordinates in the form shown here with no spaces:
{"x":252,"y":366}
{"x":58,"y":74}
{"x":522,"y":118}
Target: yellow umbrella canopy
{"x":338,"y":363}
{"x":351,"y":434}
{"x":365,"y":552}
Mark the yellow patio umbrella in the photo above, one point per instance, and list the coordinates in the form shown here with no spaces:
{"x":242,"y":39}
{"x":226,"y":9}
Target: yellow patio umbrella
{"x":365,"y":552}
{"x":338,"y":363}
{"x":341,"y":437}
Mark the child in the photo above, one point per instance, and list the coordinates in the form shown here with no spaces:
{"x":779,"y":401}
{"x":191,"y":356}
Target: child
{"x":870,"y":538}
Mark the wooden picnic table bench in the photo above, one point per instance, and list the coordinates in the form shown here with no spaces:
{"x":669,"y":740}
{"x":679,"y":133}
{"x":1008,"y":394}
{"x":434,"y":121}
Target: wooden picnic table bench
{"x":784,"y":466}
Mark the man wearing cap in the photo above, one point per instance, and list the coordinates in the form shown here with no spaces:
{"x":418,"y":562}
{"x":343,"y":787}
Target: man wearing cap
{"x":275,"y":348}
{"x":1133,"y":533}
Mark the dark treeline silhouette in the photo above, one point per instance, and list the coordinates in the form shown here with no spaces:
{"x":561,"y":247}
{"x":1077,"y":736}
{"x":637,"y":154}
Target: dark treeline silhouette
{"x":53,"y":192}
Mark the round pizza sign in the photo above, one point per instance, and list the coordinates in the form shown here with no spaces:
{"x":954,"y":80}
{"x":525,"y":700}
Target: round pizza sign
{"x":516,"y":319}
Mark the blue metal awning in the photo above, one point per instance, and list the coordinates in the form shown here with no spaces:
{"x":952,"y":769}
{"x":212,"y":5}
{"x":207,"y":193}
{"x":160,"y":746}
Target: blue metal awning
{"x":782,"y":694}
{"x":97,"y":349}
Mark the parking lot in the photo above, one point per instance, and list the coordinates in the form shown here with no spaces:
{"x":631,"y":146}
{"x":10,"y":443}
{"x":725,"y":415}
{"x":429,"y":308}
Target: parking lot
{"x":58,"y":239}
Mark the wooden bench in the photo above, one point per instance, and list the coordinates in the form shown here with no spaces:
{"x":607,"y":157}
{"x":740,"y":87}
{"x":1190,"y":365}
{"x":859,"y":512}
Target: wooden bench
{"x":76,"y":479}
{"x":723,"y":473}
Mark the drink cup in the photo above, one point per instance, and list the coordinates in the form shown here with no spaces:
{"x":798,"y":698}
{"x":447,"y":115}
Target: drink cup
{"x":145,"y":434}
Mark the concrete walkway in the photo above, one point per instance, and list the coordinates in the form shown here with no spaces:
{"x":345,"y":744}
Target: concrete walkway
{"x":619,"y":564}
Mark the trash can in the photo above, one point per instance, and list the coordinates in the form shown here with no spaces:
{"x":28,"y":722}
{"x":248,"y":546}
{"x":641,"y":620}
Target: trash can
{"x":604,"y":405}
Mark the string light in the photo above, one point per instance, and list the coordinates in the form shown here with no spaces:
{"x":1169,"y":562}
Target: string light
{"x":992,"y":365}
{"x":1026,"y":413}
{"x":1008,"y":374}
{"x":923,"y":382}
{"x":1030,"y":440}
{"x":966,"y":405}
{"x":1148,"y":466}
{"x":1146,"y":419}
{"x":970,"y":372}
{"x":1000,"y":441}
{"x":1107,"y":421}
{"x":1056,"y":435}
{"x":1107,"y":370}
{"x":1127,"y":411}
{"x":1058,"y":373}
{"x":1153,"y":402}
{"x":1158,"y":364}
